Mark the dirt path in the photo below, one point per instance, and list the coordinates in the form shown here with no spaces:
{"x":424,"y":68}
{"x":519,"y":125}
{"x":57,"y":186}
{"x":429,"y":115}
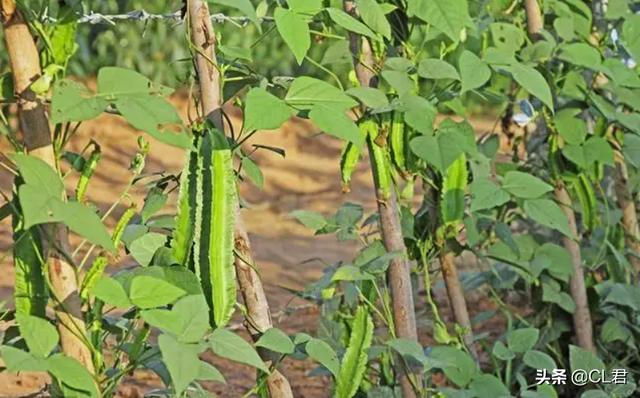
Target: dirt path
{"x":307,"y":178}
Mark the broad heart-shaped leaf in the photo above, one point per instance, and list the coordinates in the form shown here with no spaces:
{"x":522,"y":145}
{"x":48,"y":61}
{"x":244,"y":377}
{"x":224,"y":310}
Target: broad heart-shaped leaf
{"x":539,"y":360}
{"x":244,"y":6}
{"x":486,"y":194}
{"x":460,"y":368}
{"x":399,"y":81}
{"x":571,"y":128}
{"x":349,"y":23}
{"x":547,"y":213}
{"x":194,"y":318}
{"x":561,"y":266}
{"x":323,"y":353}
{"x":305,"y":92}
{"x":444,"y":148}
{"x":305,"y":7}
{"x":488,"y":386}
{"x":228,"y":345}
{"x":419,"y":113}
{"x":165,"y":320}
{"x":351,"y":273}
{"x":264,"y":111}
{"x":143,"y":248}
{"x":473,"y":71}
{"x":309,"y":219}
{"x":581,"y":54}
{"x":354,"y":361}
{"x":525,"y":185}
{"x":209,"y":373}
{"x":631,"y":35}
{"x":40,"y":335}
{"x":507,"y":37}
{"x":532,"y":81}
{"x":596,"y":149}
{"x":73,"y":102}
{"x":37,"y":172}
{"x":631,"y":149}
{"x":111,"y":292}
{"x":409,"y":349}
{"x":294,"y":31}
{"x":149,"y":292}
{"x":448,"y":16}
{"x":16,"y":360}
{"x":581,"y":359}
{"x":522,"y":340}
{"x":433,"y":68}
{"x":276,"y":340}
{"x":371,"y":97}
{"x":620,"y":73}
{"x":181,"y":361}
{"x":335,"y":122}
{"x":373,"y":15}
{"x":70,"y":372}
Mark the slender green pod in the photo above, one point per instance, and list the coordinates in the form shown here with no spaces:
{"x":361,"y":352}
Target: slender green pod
{"x":93,"y":276}
{"x":30,"y":291}
{"x":586,"y":196}
{"x":397,"y":141}
{"x":354,"y":361}
{"x":89,"y":167}
{"x":348,"y":161}
{"x":182,"y":241}
{"x":379,"y":159}
{"x":122,"y":224}
{"x":213,"y":236}
{"x":454,"y":186}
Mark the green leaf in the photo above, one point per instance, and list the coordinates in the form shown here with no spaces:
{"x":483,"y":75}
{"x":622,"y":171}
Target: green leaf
{"x":596,"y":149}
{"x":532,"y":81}
{"x":73,"y":102}
{"x":581,"y":54}
{"x":617,"y":9}
{"x":325,"y":355}
{"x":448,"y":16}
{"x":233,"y":52}
{"x":547,"y":213}
{"x":445,"y":147}
{"x":209,"y":373}
{"x":150,"y":292}
{"x":244,"y":6}
{"x":17,"y":360}
{"x":473,"y":71}
{"x":433,"y":68}
{"x":419,"y":113}
{"x":152,"y":204}
{"x":631,"y":35}
{"x":460,"y":368}
{"x":37,"y":172}
{"x":398,"y":81}
{"x":522,"y":340}
{"x":181,"y":361}
{"x":502,"y":352}
{"x":571,"y":128}
{"x":506,"y":37}
{"x":620,"y":73}
{"x":165,"y":320}
{"x":264,"y":111}
{"x":276,"y":340}
{"x":70,"y":372}
{"x":40,"y":335}
{"x":409,"y":349}
{"x":524,"y":185}
{"x":336,"y":123}
{"x":539,"y":360}
{"x":306,"y":7}
{"x":349,"y":23}
{"x":565,"y":28}
{"x":581,"y":359}
{"x":371,"y":97}
{"x":453,"y":190}
{"x":350,"y":273}
{"x":631,"y":149}
{"x":354,"y":361}
{"x":488,"y":386}
{"x":373,"y":15}
{"x":309,"y":219}
{"x":486,"y":194}
{"x":294,"y":31}
{"x":63,"y":36}
{"x":253,"y":172}
{"x":228,"y":345}
{"x":144,"y":248}
{"x":305,"y":92}
{"x":193,"y":316}
{"x":559,"y":258}
{"x":111,"y":292}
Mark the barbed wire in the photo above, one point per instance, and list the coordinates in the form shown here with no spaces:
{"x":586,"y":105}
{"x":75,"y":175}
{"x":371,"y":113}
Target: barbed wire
{"x":95,"y":18}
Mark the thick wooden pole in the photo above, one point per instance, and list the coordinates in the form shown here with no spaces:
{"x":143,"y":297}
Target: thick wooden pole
{"x":25,"y":67}
{"x":203,"y":36}
{"x":404,"y":317}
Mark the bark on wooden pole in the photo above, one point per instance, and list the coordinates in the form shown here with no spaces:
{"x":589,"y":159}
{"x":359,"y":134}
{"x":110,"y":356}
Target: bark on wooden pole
{"x":25,"y":67}
{"x":629,"y":215}
{"x":404,"y":318}
{"x":203,"y":37}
